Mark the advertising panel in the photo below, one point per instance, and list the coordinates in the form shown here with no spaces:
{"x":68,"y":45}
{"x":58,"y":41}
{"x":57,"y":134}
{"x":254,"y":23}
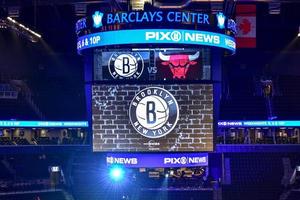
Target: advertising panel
{"x":153,"y":65}
{"x":158,"y":28}
{"x":156,"y":37}
{"x":157,"y":160}
{"x":131,"y":118}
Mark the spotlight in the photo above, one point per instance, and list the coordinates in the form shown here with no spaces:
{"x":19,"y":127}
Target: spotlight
{"x":171,"y":172}
{"x":299,"y":32}
{"x":23,"y":30}
{"x":167,"y":175}
{"x":116,"y":173}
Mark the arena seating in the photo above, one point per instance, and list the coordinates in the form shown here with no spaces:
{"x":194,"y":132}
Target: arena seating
{"x":17,"y":109}
{"x":35,"y":166}
{"x":182,"y":195}
{"x":23,"y":185}
{"x":73,"y":140}
{"x":237,"y":136}
{"x":57,"y":195}
{"x":88,"y":178}
{"x":286,"y":105}
{"x":23,"y":175}
{"x":7,"y":91}
{"x":50,"y":100}
{"x":254,"y":176}
{"x":5,"y":141}
{"x":20,"y":141}
{"x":294,"y":195}
{"x":241,"y":103}
{"x":46,"y":141}
{"x":46,"y":136}
{"x":4,"y":173}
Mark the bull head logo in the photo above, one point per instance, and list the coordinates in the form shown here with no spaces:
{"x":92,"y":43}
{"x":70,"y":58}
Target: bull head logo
{"x":179,"y":64}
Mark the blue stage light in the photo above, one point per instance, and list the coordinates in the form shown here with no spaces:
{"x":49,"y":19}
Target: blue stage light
{"x":97,"y":18}
{"x":116,"y":173}
{"x":221,"y":20}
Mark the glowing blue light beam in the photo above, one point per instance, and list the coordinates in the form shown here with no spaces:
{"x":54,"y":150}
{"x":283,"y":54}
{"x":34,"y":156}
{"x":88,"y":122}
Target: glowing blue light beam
{"x":116,"y":173}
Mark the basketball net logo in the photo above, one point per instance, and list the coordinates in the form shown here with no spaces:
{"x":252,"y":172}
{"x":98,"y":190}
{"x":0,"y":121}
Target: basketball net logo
{"x":153,"y":112}
{"x":126,"y":65}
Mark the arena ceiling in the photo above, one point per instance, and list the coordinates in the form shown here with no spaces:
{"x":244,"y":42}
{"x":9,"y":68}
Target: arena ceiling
{"x":158,"y":2}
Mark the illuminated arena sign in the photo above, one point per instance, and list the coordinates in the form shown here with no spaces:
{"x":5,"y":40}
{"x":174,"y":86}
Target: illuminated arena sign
{"x":179,"y":63}
{"x":156,"y":36}
{"x":36,"y":124}
{"x":158,"y":160}
{"x":157,"y":16}
{"x":158,"y":27}
{"x":146,"y":118}
{"x":99,"y":19}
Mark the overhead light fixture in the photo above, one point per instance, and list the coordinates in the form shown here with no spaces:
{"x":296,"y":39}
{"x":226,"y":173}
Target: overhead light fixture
{"x":3,"y":24}
{"x":14,"y":11}
{"x":274,"y":8}
{"x":139,"y":4}
{"x":171,"y":172}
{"x":80,"y":9}
{"x":216,"y":7}
{"x":23,"y":30}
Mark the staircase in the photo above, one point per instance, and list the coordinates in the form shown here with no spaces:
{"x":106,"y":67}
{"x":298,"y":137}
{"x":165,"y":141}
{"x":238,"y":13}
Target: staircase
{"x":27,"y":94}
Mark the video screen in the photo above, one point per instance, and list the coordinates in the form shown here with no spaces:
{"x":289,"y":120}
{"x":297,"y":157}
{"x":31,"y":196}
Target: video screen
{"x":156,"y":64}
{"x":152,"y":118}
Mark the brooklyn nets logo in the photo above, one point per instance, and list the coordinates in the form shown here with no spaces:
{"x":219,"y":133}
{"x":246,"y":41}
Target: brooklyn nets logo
{"x":126,"y":65}
{"x":153,"y":112}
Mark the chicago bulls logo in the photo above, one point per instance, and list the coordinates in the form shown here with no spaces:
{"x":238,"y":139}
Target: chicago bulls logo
{"x":179,"y":64}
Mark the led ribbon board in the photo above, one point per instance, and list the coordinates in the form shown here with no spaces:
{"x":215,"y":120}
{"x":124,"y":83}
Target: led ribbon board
{"x":36,"y":124}
{"x":158,"y":160}
{"x":259,"y":124}
{"x":192,"y":20}
{"x":156,"y":36}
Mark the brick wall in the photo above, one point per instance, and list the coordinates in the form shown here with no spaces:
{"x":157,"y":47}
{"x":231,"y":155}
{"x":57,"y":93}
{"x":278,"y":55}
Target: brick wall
{"x":112,"y":130}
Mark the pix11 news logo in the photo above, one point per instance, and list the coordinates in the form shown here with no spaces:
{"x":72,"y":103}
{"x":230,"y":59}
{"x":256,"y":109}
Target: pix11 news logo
{"x":184,"y":160}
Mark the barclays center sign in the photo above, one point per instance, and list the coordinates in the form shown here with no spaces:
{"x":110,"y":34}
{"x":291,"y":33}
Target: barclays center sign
{"x":155,"y":28}
{"x":139,"y":18}
{"x":100,"y":18}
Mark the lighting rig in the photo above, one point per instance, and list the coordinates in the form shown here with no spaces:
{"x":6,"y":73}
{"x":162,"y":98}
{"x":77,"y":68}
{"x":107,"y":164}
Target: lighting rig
{"x":7,"y":22}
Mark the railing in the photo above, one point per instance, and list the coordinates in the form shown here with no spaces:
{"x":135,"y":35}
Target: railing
{"x":8,"y":92}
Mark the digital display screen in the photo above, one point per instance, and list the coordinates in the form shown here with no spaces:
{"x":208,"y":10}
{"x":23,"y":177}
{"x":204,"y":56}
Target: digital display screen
{"x":122,"y":65}
{"x":156,"y":64}
{"x":33,"y":124}
{"x":152,"y":118}
{"x":175,"y":65}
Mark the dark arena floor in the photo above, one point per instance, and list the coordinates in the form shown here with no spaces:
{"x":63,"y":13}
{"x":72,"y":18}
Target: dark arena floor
{"x":150,"y":100}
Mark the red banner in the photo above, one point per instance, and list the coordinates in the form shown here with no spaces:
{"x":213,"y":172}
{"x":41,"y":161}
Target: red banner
{"x":246,"y":26}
